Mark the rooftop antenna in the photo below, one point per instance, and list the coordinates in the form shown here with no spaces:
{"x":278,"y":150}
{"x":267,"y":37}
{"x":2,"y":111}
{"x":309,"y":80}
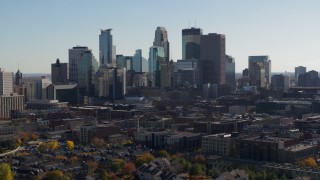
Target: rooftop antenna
{"x":189,"y":23}
{"x":195,"y":23}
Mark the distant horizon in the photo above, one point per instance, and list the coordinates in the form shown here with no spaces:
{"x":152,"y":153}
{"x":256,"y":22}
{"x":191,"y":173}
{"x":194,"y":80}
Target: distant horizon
{"x":35,"y":33}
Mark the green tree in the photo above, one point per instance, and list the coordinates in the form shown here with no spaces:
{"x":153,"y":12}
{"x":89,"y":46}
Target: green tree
{"x":196,"y":169}
{"x":117,"y":165}
{"x":145,"y":158}
{"x":163,"y":153}
{"x":55,"y":175}
{"x":5,"y":172}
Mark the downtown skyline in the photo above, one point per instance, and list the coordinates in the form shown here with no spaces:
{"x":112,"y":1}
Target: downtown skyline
{"x":38,"y":32}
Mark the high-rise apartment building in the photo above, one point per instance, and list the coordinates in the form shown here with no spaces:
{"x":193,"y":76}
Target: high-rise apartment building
{"x":161,"y":40}
{"x":156,"y":58}
{"x":230,"y":72}
{"x":213,"y":58}
{"x":59,"y":72}
{"x":106,"y":48}
{"x":6,"y":82}
{"x":137,"y":61}
{"x":75,"y":56}
{"x":266,"y":62}
{"x":87,"y":69}
{"x":297,"y":71}
{"x":191,"y":43}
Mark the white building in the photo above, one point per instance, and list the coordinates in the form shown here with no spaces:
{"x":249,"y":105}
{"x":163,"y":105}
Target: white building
{"x":6,"y":82}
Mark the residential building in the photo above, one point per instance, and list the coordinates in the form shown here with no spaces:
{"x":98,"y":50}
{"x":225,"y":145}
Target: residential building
{"x":9,"y":103}
{"x":217,"y":144}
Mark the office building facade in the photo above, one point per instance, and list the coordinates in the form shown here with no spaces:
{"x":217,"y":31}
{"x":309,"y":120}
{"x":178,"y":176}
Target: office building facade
{"x":106,"y":48}
{"x":59,"y":72}
{"x":230,"y":72}
{"x":75,"y":56}
{"x":191,"y":43}
{"x":156,"y":58}
{"x":6,"y":82}
{"x":212,"y":58}
{"x":137,"y":61}
{"x":252,"y":64}
{"x":161,"y":40}
{"x":297,"y":71}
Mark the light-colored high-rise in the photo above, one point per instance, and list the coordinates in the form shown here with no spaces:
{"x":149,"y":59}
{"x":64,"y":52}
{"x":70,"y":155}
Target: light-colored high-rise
{"x":161,"y":40}
{"x":75,"y":56}
{"x":6,"y":82}
{"x":266,"y":62}
{"x":106,"y":48}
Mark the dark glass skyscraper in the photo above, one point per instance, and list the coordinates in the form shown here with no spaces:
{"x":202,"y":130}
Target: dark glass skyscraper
{"x":213,"y":58}
{"x":106,"y":48}
{"x":191,"y":43}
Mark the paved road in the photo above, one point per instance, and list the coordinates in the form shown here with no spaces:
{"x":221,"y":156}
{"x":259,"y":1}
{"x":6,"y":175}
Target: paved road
{"x":11,"y":152}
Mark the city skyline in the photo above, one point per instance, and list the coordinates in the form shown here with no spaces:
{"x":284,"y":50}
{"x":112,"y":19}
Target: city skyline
{"x":285,"y":31}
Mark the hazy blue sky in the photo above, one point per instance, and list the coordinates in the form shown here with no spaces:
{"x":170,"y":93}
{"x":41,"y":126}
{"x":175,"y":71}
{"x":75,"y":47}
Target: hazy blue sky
{"x":34,"y":33}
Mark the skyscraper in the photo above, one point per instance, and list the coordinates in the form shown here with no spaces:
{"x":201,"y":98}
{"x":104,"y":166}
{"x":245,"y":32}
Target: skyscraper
{"x":6,"y":82}
{"x":137,"y":61}
{"x":106,"y":48}
{"x":213,"y":58}
{"x":191,"y":43}
{"x":87,"y":69}
{"x":161,"y":40}
{"x":156,"y":58}
{"x":75,"y":56}
{"x":297,"y":71}
{"x":267,"y":66}
{"x":230,"y":72}
{"x":59,"y":72}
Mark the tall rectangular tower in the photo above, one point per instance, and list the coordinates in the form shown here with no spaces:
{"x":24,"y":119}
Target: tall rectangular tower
{"x":75,"y":56}
{"x":59,"y":72}
{"x":6,"y":82}
{"x":106,"y":48}
{"x":212,"y":58}
{"x":191,"y":43}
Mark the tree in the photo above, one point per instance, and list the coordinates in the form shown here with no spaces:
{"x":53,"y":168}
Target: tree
{"x":310,"y":161}
{"x":70,"y":145}
{"x":53,"y":145}
{"x":128,"y":168}
{"x":73,"y":159}
{"x":42,"y":147}
{"x":163,"y":153}
{"x":60,"y":157}
{"x":32,"y":136}
{"x":98,"y":142}
{"x":145,"y":158}
{"x":18,"y":141}
{"x":5,"y":172}
{"x":200,"y":159}
{"x":92,"y":166}
{"x":55,"y":175}
{"x":117,"y":164}
{"x":196,"y":169}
